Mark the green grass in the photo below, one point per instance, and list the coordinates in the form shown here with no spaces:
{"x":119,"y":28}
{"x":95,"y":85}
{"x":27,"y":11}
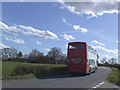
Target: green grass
{"x":114,"y":76}
{"x":8,"y":68}
{"x":28,"y":76}
{"x":17,"y":70}
{"x":0,"y":69}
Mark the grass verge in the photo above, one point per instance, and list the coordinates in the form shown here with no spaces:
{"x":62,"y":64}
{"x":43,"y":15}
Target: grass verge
{"x":16,"y":70}
{"x":114,"y":76}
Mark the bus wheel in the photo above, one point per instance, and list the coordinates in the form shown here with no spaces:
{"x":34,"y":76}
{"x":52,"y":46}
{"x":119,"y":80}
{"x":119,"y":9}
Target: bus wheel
{"x":89,"y":71}
{"x":95,"y":68}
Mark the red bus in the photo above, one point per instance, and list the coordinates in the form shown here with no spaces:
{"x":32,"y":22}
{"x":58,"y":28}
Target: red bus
{"x":81,"y":58}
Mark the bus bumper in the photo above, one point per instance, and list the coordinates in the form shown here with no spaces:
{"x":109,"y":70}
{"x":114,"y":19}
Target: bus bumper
{"x":81,"y":73}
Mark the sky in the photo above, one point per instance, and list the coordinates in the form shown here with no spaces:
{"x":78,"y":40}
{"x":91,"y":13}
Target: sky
{"x":44,"y":25}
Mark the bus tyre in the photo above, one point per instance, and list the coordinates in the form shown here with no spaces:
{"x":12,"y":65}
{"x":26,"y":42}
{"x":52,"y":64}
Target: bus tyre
{"x":95,"y":68}
{"x":89,"y":71}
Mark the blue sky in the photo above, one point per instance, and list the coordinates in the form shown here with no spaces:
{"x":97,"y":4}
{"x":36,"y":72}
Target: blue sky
{"x":43,"y":25}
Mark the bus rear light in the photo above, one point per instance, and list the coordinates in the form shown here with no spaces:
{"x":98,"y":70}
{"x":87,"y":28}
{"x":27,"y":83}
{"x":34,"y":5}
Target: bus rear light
{"x":76,"y":60}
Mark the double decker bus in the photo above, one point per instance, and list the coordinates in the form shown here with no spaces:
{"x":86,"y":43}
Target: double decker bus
{"x":81,"y":58}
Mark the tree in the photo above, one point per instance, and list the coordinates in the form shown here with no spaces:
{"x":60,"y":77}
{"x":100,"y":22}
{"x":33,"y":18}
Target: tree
{"x":25,"y":58}
{"x":0,"y":55}
{"x":112,"y":61}
{"x":35,"y":56}
{"x":54,"y":54}
{"x":9,"y":53}
{"x":103,"y":60}
{"x":18,"y":56}
{"x":63,"y":59}
{"x":35,"y":52}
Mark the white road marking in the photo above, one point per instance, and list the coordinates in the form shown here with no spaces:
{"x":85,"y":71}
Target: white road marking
{"x":94,"y":87}
{"x":102,"y":83}
{"x":98,"y":85}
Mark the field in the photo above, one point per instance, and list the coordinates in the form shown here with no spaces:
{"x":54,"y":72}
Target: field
{"x":17,"y":70}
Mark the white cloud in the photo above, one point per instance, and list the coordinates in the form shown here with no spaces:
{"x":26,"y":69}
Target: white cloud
{"x":27,"y":30}
{"x":68,"y":37}
{"x":92,"y":9}
{"x":66,"y":46}
{"x":96,"y":42}
{"x":64,"y":20}
{"x":39,"y":33}
{"x":16,"y":40}
{"x":107,"y":56}
{"x":115,"y":51}
{"x":39,"y":43}
{"x":12,"y":29}
{"x":3,"y":26}
{"x":64,"y":52}
{"x":77,"y":27}
{"x":46,"y":49}
{"x":118,"y":41}
{"x":3,"y":46}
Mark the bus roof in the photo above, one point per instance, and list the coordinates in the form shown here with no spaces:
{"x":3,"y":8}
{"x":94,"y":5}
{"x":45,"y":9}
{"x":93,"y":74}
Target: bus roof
{"x":77,"y":43}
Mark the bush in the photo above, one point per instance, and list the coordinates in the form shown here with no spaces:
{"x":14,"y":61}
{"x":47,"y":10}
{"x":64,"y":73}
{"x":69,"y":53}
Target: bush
{"x":37,"y":70}
{"x":114,"y":76}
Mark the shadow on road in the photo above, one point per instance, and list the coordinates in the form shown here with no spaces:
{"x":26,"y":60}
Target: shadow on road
{"x":62,"y":76}
{"x":68,"y":75}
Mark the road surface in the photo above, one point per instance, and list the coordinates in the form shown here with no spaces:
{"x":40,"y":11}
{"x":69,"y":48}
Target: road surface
{"x":95,"y":80}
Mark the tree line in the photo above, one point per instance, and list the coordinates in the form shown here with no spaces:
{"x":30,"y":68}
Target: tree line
{"x":112,"y":62}
{"x":54,"y":56}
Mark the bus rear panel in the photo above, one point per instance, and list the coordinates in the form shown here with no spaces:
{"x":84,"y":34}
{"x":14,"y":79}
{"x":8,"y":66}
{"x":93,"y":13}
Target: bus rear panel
{"x":78,"y":59}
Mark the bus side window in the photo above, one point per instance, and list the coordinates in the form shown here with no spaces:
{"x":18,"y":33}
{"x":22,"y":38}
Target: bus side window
{"x":89,"y":48}
{"x":91,"y":62}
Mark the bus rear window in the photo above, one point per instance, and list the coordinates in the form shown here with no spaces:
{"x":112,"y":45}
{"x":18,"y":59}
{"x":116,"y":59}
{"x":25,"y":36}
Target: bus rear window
{"x":77,"y":46}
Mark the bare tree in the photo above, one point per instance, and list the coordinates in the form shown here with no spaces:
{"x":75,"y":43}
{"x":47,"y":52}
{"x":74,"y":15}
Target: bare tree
{"x":112,"y":61}
{"x":35,"y":52}
{"x":25,"y":56}
{"x":35,"y":56}
{"x":63,"y":59}
{"x":9,"y":53}
{"x":55,"y":54}
{"x":103,"y":60}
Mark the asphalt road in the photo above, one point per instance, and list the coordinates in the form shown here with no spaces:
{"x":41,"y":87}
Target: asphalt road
{"x":95,"y":80}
